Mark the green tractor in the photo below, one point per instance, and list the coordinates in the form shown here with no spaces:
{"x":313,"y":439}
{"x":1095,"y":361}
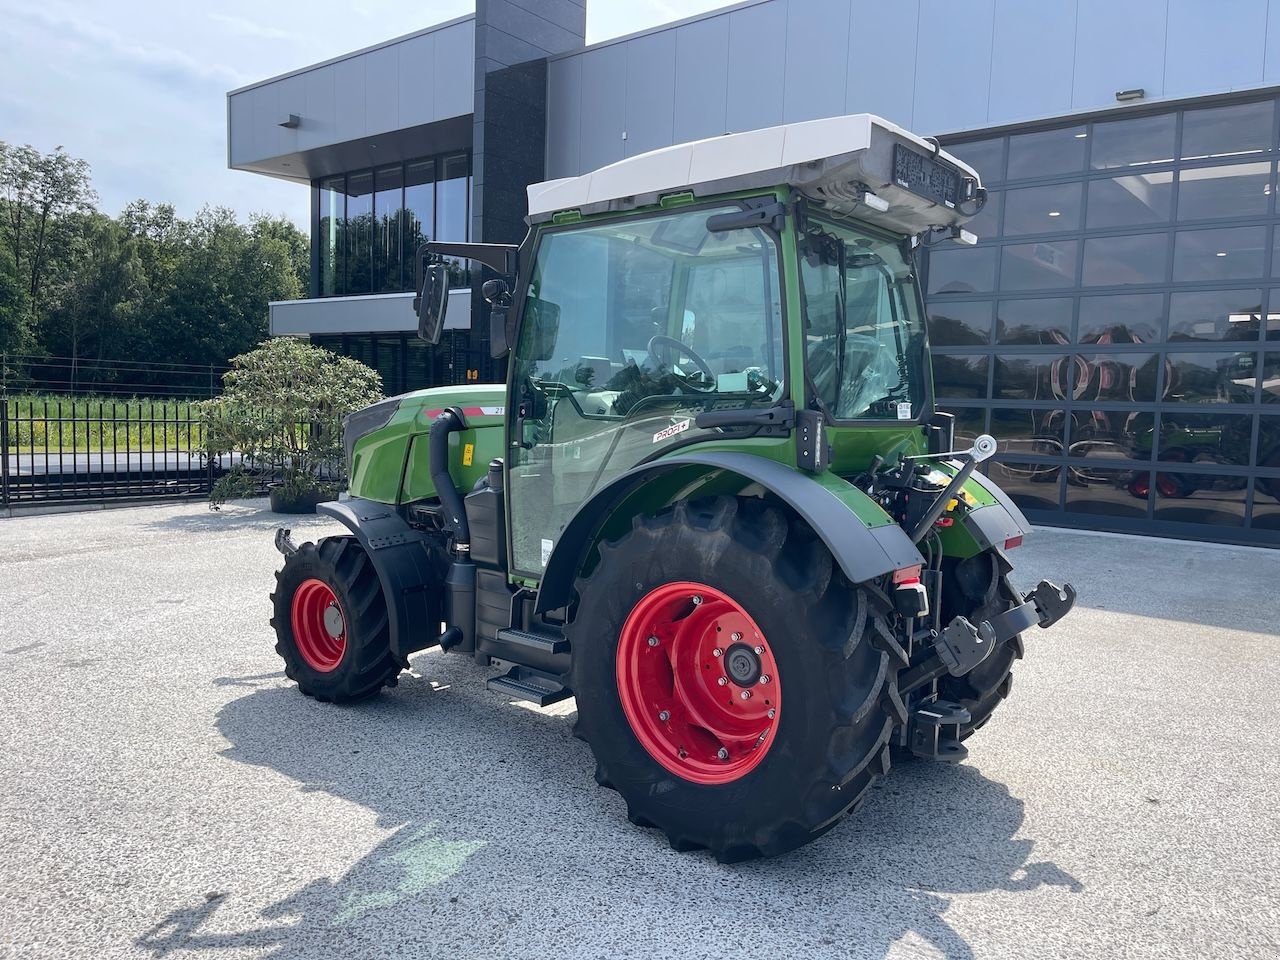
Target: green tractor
{"x":713,"y":500}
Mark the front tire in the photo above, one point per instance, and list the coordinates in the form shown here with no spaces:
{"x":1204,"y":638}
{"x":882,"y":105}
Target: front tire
{"x":330,"y":617}
{"x":749,"y":766}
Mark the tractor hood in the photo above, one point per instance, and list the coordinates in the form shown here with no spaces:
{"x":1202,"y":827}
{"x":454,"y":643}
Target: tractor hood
{"x":856,"y":165}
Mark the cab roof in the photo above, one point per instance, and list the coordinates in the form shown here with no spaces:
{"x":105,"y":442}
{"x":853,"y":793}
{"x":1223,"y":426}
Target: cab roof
{"x":831,"y":161}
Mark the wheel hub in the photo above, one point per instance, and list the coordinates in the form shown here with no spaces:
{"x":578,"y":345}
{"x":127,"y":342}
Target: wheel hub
{"x":704,"y":699}
{"x":319,"y":628}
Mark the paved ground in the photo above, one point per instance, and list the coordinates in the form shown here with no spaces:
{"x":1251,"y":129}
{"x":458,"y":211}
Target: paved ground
{"x":164,"y":792}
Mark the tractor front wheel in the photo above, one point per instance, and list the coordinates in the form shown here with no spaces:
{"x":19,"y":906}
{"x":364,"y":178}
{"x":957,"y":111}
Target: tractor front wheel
{"x":734,"y":687}
{"x":331,"y":622}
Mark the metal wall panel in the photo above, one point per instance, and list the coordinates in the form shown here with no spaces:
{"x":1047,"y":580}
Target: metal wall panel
{"x":701,"y":79}
{"x":564,"y":116}
{"x":953,"y":65}
{"x":1119,"y":46}
{"x":881,"y":76}
{"x":755,"y":78}
{"x":348,"y":99}
{"x":651,"y":92}
{"x":604,"y":81}
{"x":1271,"y":52}
{"x":382,"y":89}
{"x":318,"y":101}
{"x":453,"y":61}
{"x":1214,"y":47}
{"x":380,"y":313}
{"x":1029,"y":77}
{"x":817,"y":59}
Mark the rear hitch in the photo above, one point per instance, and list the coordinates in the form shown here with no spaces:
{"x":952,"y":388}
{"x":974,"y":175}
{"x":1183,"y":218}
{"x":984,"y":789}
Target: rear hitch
{"x":284,"y":544}
{"x":934,"y":731}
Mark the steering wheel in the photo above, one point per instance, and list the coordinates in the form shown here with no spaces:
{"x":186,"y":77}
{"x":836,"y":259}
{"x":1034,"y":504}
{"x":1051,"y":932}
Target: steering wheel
{"x":660,"y":341}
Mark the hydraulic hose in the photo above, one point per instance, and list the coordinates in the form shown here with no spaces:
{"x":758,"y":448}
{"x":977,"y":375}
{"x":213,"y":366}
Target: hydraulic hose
{"x":455,"y":514}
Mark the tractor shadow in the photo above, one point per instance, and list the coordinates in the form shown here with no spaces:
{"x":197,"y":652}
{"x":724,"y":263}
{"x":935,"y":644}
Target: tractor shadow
{"x":503,"y":846}
{"x":242,"y":515}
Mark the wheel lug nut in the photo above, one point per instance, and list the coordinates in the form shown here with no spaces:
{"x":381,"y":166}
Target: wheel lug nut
{"x":664,"y":716}
{"x":746,"y":694}
{"x":722,"y":753}
{"x":771,"y":713}
{"x":759,"y":650}
{"x":697,"y":599}
{"x":717,"y":652}
{"x":683,"y":753}
{"x":764,"y":678}
{"x":653,"y":641}
{"x":736,"y":637}
{"x":722,"y":681}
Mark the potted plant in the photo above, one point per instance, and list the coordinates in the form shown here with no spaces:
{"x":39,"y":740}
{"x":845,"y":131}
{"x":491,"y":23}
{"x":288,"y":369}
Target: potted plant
{"x":279,"y":423}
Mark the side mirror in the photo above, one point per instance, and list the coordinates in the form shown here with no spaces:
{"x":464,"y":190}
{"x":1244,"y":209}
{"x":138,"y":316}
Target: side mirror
{"x":497,"y":294}
{"x":432,"y":301}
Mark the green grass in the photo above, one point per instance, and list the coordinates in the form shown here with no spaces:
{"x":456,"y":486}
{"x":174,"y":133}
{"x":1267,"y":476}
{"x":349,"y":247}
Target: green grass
{"x":65,"y":424}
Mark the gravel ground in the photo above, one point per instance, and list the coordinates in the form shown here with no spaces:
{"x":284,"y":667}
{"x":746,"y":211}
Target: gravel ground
{"x":165,"y":792}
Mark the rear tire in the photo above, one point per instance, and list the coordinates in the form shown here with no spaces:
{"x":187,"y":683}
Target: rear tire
{"x":976,"y":588}
{"x":348,"y":656}
{"x":828,"y":641}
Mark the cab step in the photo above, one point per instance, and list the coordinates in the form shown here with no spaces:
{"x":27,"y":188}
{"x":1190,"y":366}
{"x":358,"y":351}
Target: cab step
{"x":539,"y":642}
{"x":525,"y":684}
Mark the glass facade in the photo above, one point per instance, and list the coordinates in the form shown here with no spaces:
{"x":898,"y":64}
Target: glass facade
{"x":1117,"y":326}
{"x":406,"y":363}
{"x":369,"y":223}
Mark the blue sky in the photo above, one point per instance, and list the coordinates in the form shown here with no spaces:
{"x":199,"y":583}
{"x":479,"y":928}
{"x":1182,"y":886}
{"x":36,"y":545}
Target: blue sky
{"x":138,"y":88}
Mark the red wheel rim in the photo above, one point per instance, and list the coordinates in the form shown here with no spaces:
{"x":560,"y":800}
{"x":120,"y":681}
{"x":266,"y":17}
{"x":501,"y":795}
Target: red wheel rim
{"x":698,"y":683}
{"x":319,"y":625}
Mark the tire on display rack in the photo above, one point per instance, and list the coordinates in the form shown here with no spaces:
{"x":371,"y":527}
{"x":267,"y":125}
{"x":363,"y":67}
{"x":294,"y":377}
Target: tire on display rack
{"x":734,"y":687}
{"x":330,"y":618}
{"x":976,"y":588}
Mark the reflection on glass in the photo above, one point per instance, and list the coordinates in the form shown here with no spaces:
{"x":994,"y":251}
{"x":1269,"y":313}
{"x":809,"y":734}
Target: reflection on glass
{"x":971,"y":422}
{"x":360,"y":232}
{"x":1210,"y":377}
{"x":1216,"y":437}
{"x":1133,"y":200}
{"x":1117,"y":261}
{"x":1108,"y":492}
{"x":1233,"y":131}
{"x":1047,"y":152}
{"x":1032,"y":376}
{"x":1271,"y":378}
{"x":1031,"y":485}
{"x":1215,"y":315}
{"x":1200,"y":498}
{"x":1116,"y":377}
{"x":959,"y":377}
{"x":985,"y":156}
{"x":388,"y":214}
{"x":419,"y":205}
{"x":1047,"y":320}
{"x":1133,"y":142}
{"x":1234,"y":190}
{"x":332,"y":230}
{"x":1266,"y":504}
{"x":986,"y":225}
{"x":960,"y":324}
{"x":1123,"y":318}
{"x":1026,"y":432}
{"x":1233,"y":253}
{"x":962,"y":271}
{"x":1038,"y":266}
{"x":1112,"y":434}
{"x":1051,"y":209}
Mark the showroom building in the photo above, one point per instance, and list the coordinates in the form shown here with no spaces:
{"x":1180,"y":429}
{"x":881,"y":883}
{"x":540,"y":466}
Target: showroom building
{"x":1117,"y":326}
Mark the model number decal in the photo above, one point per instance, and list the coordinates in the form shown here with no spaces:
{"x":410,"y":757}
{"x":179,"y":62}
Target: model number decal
{"x":671,"y":431}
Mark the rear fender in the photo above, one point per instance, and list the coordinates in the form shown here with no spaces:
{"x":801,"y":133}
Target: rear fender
{"x":407,"y":569}
{"x":863,"y":539}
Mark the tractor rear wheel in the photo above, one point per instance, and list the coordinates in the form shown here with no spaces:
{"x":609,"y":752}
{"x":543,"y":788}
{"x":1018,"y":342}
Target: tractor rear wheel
{"x":734,"y":687}
{"x":976,"y":588}
{"x":331,"y":622}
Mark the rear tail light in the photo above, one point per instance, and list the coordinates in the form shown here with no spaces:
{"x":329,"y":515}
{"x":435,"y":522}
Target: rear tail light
{"x":1013,"y":542}
{"x":907,"y":575}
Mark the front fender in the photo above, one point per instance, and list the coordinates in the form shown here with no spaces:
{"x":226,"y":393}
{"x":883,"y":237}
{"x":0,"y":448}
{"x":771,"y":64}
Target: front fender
{"x":411,"y":582}
{"x":842,"y":516}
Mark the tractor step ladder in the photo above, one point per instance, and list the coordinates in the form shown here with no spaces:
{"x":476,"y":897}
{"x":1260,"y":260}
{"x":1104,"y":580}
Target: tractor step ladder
{"x":524,"y":684}
{"x":533,"y":641}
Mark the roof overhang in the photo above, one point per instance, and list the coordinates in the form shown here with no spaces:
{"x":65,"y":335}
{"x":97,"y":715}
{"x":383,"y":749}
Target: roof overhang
{"x":833,"y":162}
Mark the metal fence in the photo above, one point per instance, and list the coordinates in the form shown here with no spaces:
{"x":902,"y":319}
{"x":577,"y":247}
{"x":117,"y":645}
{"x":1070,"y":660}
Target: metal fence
{"x":77,"y":450}
{"x":76,"y":431}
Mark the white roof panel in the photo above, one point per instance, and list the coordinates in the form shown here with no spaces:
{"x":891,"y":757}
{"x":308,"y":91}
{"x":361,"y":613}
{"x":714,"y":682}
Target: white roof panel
{"x":819,"y":157}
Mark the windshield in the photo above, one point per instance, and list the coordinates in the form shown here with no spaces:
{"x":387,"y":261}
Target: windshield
{"x":864,"y":337}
